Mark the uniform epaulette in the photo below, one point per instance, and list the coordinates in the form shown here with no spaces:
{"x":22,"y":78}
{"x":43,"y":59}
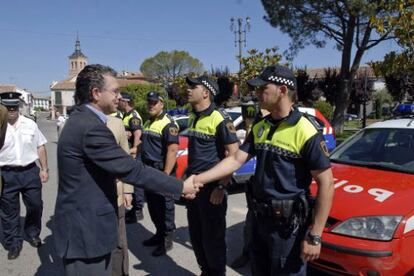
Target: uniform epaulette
{"x":224,"y":113}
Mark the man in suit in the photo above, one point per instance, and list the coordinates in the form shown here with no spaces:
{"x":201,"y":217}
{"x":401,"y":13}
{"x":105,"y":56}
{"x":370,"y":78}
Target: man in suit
{"x":89,"y":160}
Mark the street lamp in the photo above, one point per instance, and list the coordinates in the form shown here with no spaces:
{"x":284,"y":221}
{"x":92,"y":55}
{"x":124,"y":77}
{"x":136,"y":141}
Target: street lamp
{"x":240,"y":30}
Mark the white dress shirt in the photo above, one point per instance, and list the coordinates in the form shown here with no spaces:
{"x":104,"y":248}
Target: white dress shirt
{"x":21,"y":143}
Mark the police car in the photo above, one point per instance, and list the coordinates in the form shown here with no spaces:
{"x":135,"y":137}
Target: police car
{"x":370,"y":229}
{"x":247,"y":170}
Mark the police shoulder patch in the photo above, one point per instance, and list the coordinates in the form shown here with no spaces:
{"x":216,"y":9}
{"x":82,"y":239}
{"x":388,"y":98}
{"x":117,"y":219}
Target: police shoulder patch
{"x":224,"y":113}
{"x":231,"y":127}
{"x":324,"y":148}
{"x":135,"y":121}
{"x":173,"y":131}
{"x":260,"y":132}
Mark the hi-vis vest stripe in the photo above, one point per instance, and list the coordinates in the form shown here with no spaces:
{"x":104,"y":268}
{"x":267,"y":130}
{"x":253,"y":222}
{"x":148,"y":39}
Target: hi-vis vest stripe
{"x":206,"y":126}
{"x":131,"y":115}
{"x":155,"y":128}
{"x":287,"y":141}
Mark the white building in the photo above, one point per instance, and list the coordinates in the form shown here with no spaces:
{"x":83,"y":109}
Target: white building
{"x":40,"y":102}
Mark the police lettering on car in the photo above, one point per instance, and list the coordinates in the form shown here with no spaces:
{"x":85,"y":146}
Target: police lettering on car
{"x":290,"y":152}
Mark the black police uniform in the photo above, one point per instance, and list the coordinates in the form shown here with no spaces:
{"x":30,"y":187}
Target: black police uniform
{"x":156,"y":136}
{"x":132,"y":122}
{"x":287,"y":150}
{"x":209,"y":131}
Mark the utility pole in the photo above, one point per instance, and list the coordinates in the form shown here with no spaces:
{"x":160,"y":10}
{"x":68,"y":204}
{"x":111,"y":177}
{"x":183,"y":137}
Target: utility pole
{"x":364,"y":106}
{"x":240,"y":29}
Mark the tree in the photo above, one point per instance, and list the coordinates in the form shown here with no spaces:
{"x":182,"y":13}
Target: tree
{"x":330,"y":85}
{"x":306,"y":88}
{"x":347,"y":22}
{"x":398,"y":72}
{"x":139,"y":93}
{"x":254,"y":63}
{"x":362,"y":90}
{"x":166,"y":66}
{"x":399,"y":19}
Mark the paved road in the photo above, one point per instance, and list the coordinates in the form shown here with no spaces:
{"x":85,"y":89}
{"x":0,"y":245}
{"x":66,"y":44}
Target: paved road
{"x":180,"y":261}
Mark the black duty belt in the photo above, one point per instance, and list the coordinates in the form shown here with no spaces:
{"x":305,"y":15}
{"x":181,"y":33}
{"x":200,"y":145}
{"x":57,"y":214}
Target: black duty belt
{"x":18,"y":168}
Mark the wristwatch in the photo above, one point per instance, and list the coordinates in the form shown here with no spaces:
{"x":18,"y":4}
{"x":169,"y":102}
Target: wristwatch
{"x":314,"y":239}
{"x":45,"y":170}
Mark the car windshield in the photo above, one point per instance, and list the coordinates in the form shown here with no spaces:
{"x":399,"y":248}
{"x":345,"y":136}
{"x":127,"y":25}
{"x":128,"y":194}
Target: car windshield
{"x":389,"y":149}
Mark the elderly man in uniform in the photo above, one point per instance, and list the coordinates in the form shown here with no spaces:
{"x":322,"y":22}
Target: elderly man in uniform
{"x":24,"y":145}
{"x":159,"y":150}
{"x":133,"y":127}
{"x":212,"y":135}
{"x":290,"y":152}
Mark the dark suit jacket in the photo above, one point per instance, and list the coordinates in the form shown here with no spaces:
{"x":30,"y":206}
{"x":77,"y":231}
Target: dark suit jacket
{"x":89,"y":160}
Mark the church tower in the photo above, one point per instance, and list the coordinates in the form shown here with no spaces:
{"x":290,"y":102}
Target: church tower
{"x":77,"y":61}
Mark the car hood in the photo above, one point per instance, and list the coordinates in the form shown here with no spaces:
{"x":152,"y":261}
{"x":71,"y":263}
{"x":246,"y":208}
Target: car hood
{"x":361,"y":191}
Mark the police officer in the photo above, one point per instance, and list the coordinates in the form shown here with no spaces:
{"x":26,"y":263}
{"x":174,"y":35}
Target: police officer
{"x":133,"y":127}
{"x":290,"y":152}
{"x":24,"y":144}
{"x":159,"y":150}
{"x":211,"y":134}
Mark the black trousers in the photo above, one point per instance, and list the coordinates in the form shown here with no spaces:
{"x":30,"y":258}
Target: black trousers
{"x":99,"y":266}
{"x":274,"y":251}
{"x":25,"y":182}
{"x":161,"y":209}
{"x":207,"y":227}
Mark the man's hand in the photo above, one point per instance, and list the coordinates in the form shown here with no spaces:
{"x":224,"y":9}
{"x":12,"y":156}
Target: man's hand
{"x":133,"y":152}
{"x":217,"y":196}
{"x":190,"y":188}
{"x":128,"y":201}
{"x":44,"y":176}
{"x":310,"y":252}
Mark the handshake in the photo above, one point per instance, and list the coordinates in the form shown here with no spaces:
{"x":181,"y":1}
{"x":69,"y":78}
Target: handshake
{"x":191,"y":187}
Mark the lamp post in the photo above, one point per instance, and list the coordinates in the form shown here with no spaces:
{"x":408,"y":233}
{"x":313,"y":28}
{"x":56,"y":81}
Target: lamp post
{"x":240,"y":27}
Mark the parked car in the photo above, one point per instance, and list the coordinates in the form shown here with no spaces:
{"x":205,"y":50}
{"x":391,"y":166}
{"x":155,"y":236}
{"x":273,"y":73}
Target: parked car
{"x":247,"y":170}
{"x":370,"y":229}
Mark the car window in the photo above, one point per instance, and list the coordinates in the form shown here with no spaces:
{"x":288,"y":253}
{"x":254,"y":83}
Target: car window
{"x":234,"y":115}
{"x":386,"y":148}
{"x":182,"y":123}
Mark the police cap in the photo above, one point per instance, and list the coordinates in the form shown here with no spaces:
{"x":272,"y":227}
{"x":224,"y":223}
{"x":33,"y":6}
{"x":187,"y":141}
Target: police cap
{"x":211,"y":85}
{"x":11,"y":99}
{"x":276,"y":74}
{"x":154,"y":96}
{"x":126,"y":97}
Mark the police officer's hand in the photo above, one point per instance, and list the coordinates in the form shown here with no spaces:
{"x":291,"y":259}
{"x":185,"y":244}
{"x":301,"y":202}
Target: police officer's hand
{"x":133,"y":152}
{"x":44,"y":176}
{"x":128,"y":201}
{"x":190,"y":188}
{"x":310,"y":252}
{"x":217,"y":196}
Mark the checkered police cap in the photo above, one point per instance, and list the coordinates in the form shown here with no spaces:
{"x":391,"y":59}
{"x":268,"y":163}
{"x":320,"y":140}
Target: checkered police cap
{"x":275,"y":74}
{"x":211,"y":85}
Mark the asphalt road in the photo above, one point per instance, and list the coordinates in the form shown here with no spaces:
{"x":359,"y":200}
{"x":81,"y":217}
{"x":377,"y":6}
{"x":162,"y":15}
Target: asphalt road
{"x":179,"y":261}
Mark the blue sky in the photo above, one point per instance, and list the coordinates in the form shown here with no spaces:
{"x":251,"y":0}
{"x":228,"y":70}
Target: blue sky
{"x":38,"y":36}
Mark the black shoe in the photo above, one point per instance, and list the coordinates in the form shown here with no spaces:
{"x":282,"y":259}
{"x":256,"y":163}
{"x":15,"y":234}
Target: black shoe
{"x":161,"y":250}
{"x":240,"y":261}
{"x":35,"y":242}
{"x":153,"y":241}
{"x":139,"y":214}
{"x":14,"y":252}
